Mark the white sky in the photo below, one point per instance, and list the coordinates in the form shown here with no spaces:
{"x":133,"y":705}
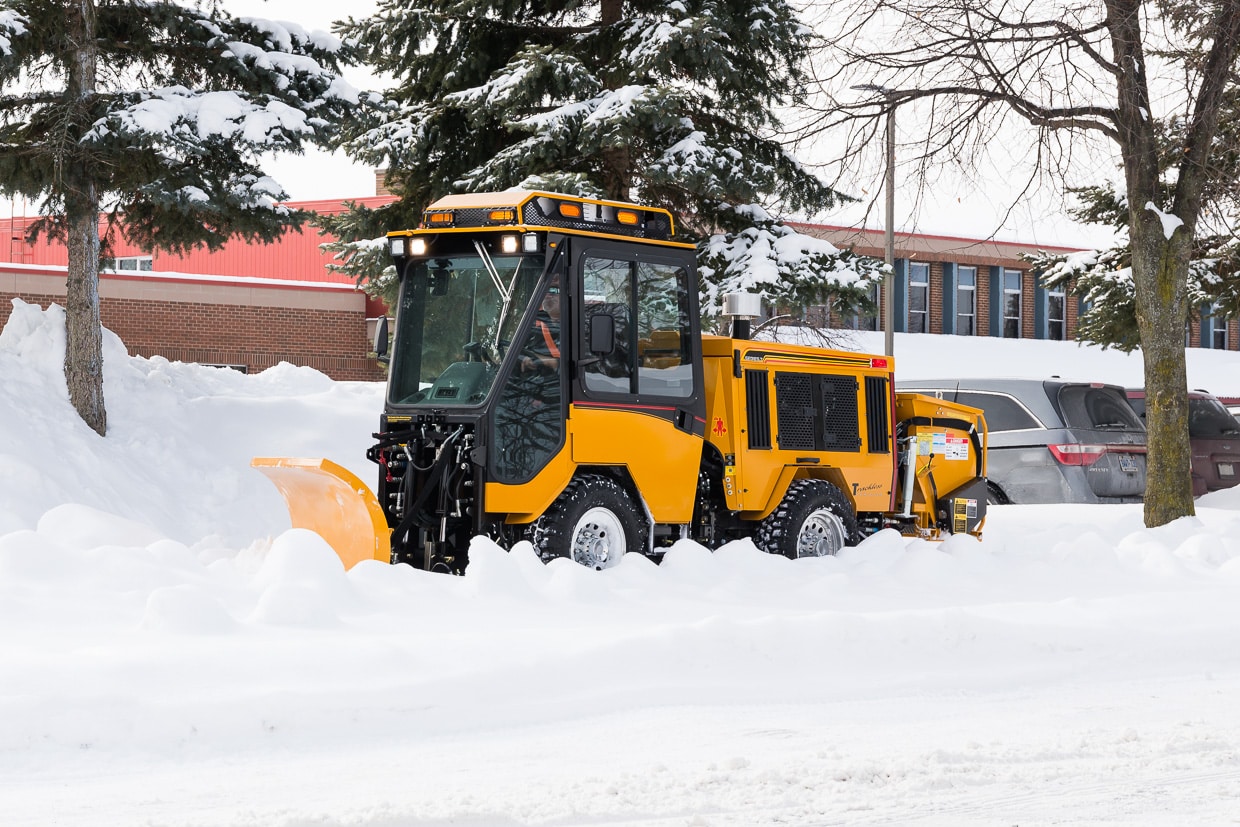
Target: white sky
{"x":172,"y":654}
{"x":976,"y":204}
{"x":316,"y":174}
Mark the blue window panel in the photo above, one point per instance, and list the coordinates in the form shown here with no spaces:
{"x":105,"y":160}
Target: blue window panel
{"x":901,"y":297}
{"x":949,"y":297}
{"x":1040,"y":326}
{"x":996,"y":300}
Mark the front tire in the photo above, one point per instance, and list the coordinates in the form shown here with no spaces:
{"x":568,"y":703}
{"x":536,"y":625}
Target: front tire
{"x":594,"y":522}
{"x":814,"y":519}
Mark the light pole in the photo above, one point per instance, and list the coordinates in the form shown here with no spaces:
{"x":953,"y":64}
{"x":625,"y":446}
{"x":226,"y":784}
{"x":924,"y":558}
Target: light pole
{"x":889,"y":232}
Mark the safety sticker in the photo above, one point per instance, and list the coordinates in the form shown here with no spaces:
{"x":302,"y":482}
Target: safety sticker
{"x":942,"y":445}
{"x":956,"y":447}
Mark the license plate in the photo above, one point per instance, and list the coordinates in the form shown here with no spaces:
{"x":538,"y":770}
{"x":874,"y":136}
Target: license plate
{"x":1127,"y":463}
{"x":1226,"y":469}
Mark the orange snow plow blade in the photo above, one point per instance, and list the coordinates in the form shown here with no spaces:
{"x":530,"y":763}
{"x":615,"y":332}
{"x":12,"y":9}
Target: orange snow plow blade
{"x":331,"y":501}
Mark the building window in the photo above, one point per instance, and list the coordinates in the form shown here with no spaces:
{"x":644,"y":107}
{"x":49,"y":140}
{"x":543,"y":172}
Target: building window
{"x":1056,"y":319}
{"x":966,"y":301}
{"x":131,"y":264}
{"x":1218,"y":330}
{"x":1011,"y":303}
{"x":918,"y":297}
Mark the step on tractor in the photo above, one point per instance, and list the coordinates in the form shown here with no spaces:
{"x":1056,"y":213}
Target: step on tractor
{"x":549,"y":381}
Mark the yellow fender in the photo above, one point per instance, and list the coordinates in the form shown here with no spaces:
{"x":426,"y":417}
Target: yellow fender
{"x":331,"y":501}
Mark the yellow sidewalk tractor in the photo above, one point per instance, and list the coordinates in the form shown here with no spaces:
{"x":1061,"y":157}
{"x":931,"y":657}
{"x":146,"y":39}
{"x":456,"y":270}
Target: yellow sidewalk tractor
{"x":549,"y":381}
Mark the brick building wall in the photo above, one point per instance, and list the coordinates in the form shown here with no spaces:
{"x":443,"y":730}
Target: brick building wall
{"x":935,"y":301}
{"x":254,"y":325}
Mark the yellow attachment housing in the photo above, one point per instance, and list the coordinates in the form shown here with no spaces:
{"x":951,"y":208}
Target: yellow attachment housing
{"x":331,"y":501}
{"x":948,"y":449}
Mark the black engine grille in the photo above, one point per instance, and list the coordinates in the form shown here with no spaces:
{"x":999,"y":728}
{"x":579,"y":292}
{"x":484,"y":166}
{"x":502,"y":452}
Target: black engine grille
{"x":817,"y":412}
{"x":758,"y":408}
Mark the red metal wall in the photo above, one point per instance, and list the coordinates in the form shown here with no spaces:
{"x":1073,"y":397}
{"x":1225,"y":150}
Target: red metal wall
{"x":296,"y":257}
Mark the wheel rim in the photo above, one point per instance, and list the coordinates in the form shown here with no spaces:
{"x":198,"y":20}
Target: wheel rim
{"x":821,"y":535}
{"x":598,"y":539}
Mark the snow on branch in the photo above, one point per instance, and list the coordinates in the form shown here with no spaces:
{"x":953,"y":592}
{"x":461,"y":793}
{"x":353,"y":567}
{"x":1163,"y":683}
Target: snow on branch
{"x":12,"y":24}
{"x":1170,"y":222}
{"x":783,"y":265}
{"x":177,"y":114}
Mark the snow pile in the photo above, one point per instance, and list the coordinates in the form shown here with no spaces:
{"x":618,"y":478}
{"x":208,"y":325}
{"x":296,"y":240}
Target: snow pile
{"x":174,"y":654}
{"x":180,"y":436}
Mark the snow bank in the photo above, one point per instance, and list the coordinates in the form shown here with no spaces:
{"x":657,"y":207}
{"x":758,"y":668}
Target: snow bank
{"x":175,"y":654}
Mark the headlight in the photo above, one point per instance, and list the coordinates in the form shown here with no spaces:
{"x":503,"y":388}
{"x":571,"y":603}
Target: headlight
{"x":508,"y":243}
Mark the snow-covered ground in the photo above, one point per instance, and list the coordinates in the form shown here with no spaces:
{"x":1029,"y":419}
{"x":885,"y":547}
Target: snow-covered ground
{"x":172,"y":654}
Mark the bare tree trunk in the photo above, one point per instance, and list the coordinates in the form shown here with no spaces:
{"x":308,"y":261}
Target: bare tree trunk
{"x":1160,"y":277}
{"x":1160,"y":268}
{"x":83,"y":327}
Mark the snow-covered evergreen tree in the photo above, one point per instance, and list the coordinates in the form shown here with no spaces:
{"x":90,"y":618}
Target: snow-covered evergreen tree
{"x":155,"y":113}
{"x":1102,"y":279}
{"x":666,"y":103}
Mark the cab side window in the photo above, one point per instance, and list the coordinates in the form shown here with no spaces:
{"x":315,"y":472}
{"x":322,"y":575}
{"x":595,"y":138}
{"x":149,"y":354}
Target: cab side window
{"x":608,"y":298}
{"x":648,"y":306}
{"x":664,"y":361}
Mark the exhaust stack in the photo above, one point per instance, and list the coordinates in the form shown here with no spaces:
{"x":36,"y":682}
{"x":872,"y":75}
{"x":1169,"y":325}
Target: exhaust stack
{"x":741,"y":308}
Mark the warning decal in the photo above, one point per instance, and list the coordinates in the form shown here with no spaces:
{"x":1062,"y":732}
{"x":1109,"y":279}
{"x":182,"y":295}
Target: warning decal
{"x":941,"y":445}
{"x":956,"y":447}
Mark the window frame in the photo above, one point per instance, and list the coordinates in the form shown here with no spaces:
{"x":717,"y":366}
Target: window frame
{"x":1062,"y":321}
{"x":1018,"y":293}
{"x":141,"y":264}
{"x":971,"y":291}
{"x":1218,"y":328}
{"x":691,"y":346}
{"x":924,"y":285}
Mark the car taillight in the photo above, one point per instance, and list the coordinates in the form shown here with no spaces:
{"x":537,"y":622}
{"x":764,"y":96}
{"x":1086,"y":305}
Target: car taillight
{"x":1074,"y":454}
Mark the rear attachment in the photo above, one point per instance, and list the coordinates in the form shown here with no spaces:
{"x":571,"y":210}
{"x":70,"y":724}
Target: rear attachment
{"x":331,"y":501}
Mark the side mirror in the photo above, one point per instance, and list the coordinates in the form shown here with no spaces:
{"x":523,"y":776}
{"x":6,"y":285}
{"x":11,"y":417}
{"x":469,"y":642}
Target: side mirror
{"x":602,"y":333}
{"x":381,"y":339}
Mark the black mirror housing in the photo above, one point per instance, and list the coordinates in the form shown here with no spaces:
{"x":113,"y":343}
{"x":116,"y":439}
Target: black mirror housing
{"x":602,"y":333}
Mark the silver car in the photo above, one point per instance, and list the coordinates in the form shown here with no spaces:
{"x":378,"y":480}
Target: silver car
{"x":1053,"y":441}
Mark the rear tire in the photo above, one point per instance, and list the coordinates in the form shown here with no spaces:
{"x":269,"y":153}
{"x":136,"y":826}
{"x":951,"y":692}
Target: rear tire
{"x":814,"y":519}
{"x":995,"y":495}
{"x":594,"y":522}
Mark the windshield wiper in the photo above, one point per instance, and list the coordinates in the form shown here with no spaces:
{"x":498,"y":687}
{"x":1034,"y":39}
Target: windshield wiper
{"x":505,"y":292}
{"x":492,"y":272}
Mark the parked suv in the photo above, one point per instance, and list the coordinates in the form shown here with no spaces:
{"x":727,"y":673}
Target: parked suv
{"x":1232,"y":404}
{"x":1053,"y":441}
{"x":1214,"y":435}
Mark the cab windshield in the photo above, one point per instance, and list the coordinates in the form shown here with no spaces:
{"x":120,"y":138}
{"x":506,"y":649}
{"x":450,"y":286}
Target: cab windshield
{"x":456,"y":317}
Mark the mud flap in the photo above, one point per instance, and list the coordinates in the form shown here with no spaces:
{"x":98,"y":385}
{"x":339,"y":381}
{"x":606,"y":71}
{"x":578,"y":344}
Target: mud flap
{"x":331,"y":501}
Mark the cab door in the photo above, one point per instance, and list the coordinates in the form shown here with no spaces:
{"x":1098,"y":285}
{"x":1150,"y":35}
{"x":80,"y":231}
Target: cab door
{"x":637,"y":397}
